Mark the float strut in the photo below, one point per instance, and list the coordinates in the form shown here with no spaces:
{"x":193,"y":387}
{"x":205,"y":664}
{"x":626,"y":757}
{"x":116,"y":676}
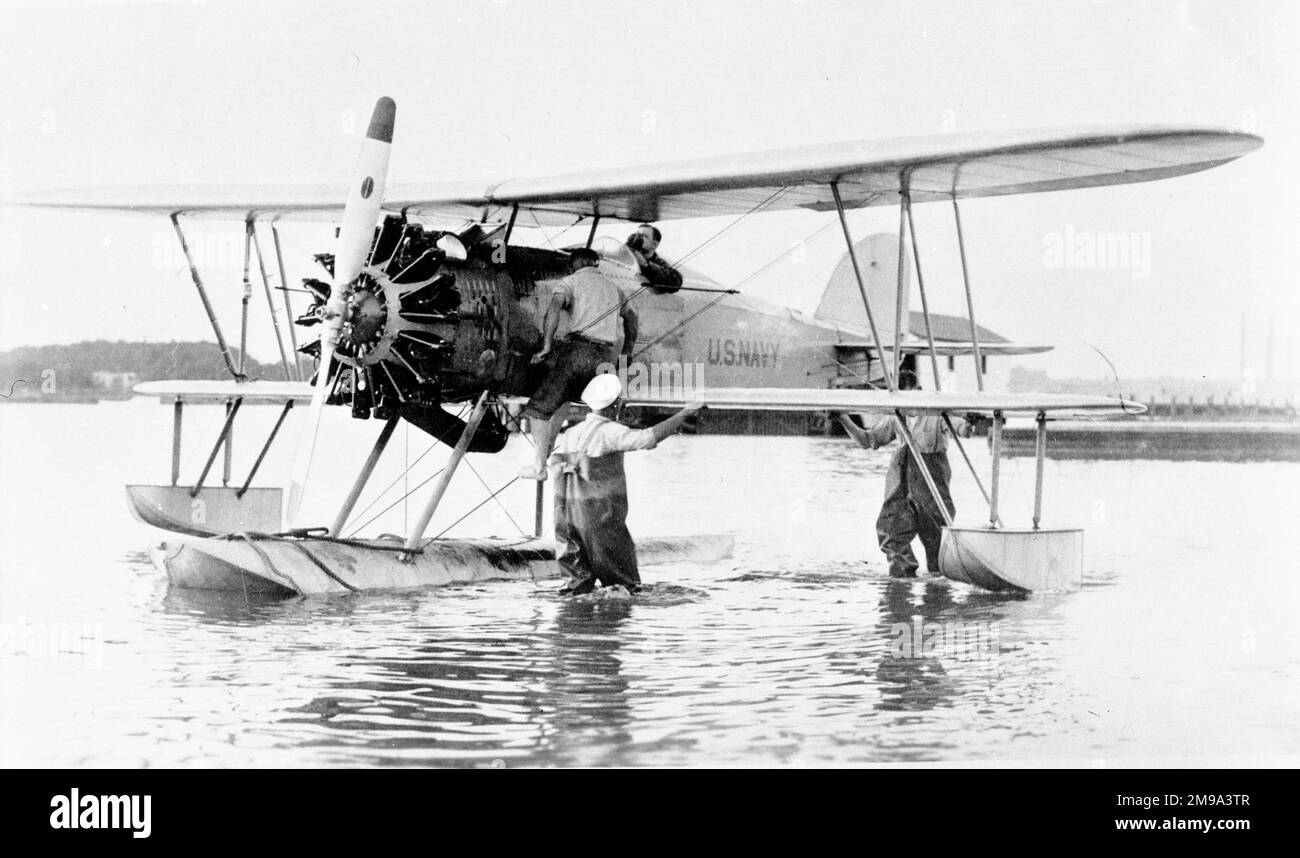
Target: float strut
{"x":997,"y":460}
{"x":444,"y":479}
{"x":1040,"y":454}
{"x":177,"y":407}
{"x":362,"y":478}
{"x":228,"y":452}
{"x":961,"y":448}
{"x":288,"y":406}
{"x":221,"y":440}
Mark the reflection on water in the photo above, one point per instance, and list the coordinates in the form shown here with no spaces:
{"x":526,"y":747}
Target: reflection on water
{"x":797,"y":651}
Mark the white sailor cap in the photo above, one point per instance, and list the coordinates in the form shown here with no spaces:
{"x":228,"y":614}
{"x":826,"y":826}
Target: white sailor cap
{"x":601,"y":391}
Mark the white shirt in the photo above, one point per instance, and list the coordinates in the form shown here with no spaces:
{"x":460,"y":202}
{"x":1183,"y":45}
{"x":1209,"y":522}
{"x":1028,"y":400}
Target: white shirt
{"x":928,"y":430}
{"x":599,"y":436}
{"x":593,"y":301}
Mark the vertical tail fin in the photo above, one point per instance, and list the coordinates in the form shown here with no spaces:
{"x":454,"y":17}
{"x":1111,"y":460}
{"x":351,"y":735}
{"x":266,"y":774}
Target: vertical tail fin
{"x":878,"y":261}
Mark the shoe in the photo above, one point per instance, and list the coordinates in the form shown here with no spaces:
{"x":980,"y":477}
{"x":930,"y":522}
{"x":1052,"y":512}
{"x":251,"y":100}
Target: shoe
{"x":530,"y":472}
{"x":582,"y":588}
{"x":615,"y":591}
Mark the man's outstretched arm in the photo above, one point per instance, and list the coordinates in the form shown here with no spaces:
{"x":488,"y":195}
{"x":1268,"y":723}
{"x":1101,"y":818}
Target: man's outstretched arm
{"x":664,"y":428}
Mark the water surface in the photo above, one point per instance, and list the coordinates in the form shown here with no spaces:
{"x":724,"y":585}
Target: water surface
{"x":1181,"y":648}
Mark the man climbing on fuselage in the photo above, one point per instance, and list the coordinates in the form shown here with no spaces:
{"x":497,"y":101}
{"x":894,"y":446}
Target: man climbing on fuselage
{"x":598,"y":314}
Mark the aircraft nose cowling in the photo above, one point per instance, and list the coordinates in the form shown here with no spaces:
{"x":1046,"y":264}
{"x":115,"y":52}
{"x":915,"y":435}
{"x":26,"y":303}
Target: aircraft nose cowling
{"x":425,"y":323}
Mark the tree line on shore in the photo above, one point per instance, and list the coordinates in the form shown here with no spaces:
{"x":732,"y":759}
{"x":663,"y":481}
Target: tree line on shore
{"x":105,"y":367}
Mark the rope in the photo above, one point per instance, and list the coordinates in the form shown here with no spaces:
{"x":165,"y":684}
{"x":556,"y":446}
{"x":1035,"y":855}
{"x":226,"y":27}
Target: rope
{"x":689,"y":254}
{"x":319,"y":534}
{"x":679,"y":325}
{"x":542,"y":229}
{"x":322,"y":567}
{"x":399,"y":477}
{"x":407,"y":494}
{"x":847,"y":367}
{"x":522,"y":532}
{"x":774,"y":260}
{"x":478,"y":506}
{"x":266,"y":563}
{"x":772,"y":197}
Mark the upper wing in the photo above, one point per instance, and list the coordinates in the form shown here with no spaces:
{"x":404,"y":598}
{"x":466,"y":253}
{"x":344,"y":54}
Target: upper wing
{"x":909,"y":401}
{"x":869,"y":173}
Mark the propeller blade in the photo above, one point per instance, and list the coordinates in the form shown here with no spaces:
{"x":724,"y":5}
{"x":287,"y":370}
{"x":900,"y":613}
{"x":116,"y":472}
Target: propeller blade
{"x":365,"y":199}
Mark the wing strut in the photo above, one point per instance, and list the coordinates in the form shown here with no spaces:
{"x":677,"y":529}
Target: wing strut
{"x":248,"y":296}
{"x":288,"y":308}
{"x":901,"y":291}
{"x":961,"y":448}
{"x":920,"y":286}
{"x":970,"y":301}
{"x":270,"y":304}
{"x":862,"y":288}
{"x":207,"y":305}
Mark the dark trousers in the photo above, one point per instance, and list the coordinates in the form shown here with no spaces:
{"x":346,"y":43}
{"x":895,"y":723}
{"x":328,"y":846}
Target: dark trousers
{"x":910,"y":510}
{"x":591,"y":536}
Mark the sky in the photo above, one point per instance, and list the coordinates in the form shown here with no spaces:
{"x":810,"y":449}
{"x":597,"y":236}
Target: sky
{"x":96,"y":94}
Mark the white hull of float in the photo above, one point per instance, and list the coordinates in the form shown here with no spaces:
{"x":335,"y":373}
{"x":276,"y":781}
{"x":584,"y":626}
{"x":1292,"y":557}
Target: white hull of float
{"x":1043,"y":560}
{"x":314,"y":566}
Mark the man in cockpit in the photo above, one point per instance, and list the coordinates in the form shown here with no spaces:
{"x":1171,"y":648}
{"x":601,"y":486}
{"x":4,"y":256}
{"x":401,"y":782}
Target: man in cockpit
{"x":659,"y":274}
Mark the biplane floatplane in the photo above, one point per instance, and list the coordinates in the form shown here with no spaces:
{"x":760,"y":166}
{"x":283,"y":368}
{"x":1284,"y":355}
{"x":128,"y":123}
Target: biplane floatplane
{"x":413,"y":318}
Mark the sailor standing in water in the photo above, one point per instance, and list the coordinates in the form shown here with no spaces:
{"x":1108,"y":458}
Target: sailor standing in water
{"x":910,"y":509}
{"x":592,"y":542}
